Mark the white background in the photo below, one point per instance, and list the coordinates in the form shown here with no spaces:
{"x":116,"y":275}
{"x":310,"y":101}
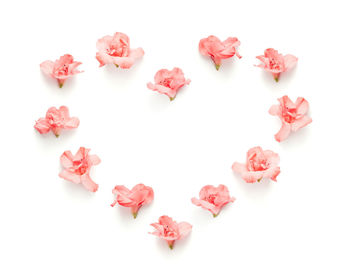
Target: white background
{"x":297,"y":227}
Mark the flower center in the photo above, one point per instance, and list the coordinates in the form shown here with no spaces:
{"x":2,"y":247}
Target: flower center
{"x":118,"y":49}
{"x":256,"y":163}
{"x":62,"y":70}
{"x":169,"y":231}
{"x":275,"y":64}
{"x":211,"y":198}
{"x":53,"y":121}
{"x":80,"y":166}
{"x":290,"y":115}
{"x":166,"y":82}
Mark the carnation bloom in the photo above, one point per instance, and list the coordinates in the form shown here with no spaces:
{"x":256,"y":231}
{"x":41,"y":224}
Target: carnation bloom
{"x":56,"y":120}
{"x":213,"y":198}
{"x":260,"y":164}
{"x":77,"y":168}
{"x":168,"y":82}
{"x":135,"y":198}
{"x":218,"y":50}
{"x":276,"y":63}
{"x":116,"y":50}
{"x":293,"y":116}
{"x":169,"y":230}
{"x":61,"y":69}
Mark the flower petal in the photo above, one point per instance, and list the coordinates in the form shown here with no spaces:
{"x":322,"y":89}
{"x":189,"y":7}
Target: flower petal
{"x":136,"y":53}
{"x":275,"y":110}
{"x":47,"y":67}
{"x":239,"y":167}
{"x":184,"y":229}
{"x":290,"y":61}
{"x":251,"y":177}
{"x":88,"y":183}
{"x":272,"y":173}
{"x":67,"y":175}
{"x":283,"y":133}
{"x":66,"y":159}
{"x":42,"y":125}
{"x":302,"y":105}
{"x":95,"y":160}
{"x":72,"y":123}
{"x":162,"y":89}
{"x":300,"y":123}
{"x":206,"y":205}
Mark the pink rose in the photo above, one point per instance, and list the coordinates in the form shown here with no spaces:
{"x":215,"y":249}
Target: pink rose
{"x":135,"y":198}
{"x":116,"y":50}
{"x":56,"y":120}
{"x":276,"y":63}
{"x":260,"y":164}
{"x":213,"y":198}
{"x":168,"y":82}
{"x":169,"y":230}
{"x":293,"y":116}
{"x":77,"y":168}
{"x":61,"y":69}
{"x":217,"y":50}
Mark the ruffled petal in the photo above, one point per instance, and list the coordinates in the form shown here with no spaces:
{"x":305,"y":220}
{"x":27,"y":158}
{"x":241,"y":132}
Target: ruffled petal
{"x":67,"y":175}
{"x":275,"y":110}
{"x":136,"y":53}
{"x":205,"y":205}
{"x":300,"y":123}
{"x":94,"y":159}
{"x":272,"y":173}
{"x":72,"y":123}
{"x":123,"y":196}
{"x":283,"y":133}
{"x":162,"y":90}
{"x":184,"y":229}
{"x":42,"y":126}
{"x":47,"y":67}
{"x":123,"y":62}
{"x":81,"y":153}
{"x":121,"y":190}
{"x":251,"y":177}
{"x":302,"y":105}
{"x":88,"y":183}
{"x":239,"y":167}
{"x":290,"y":61}
{"x":66,"y":159}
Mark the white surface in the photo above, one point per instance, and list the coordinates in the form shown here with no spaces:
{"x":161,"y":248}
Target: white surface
{"x":297,"y":227}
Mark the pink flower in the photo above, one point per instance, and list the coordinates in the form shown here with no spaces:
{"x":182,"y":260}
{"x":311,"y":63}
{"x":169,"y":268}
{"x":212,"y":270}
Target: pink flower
{"x":135,"y":198}
{"x":276,"y":63}
{"x":77,"y":168}
{"x":169,"y":230}
{"x":116,"y":50}
{"x":293,"y":116}
{"x":217,"y":50}
{"x":56,"y":120}
{"x":260,"y":164}
{"x":213,"y":198}
{"x":168,"y":82}
{"x":61,"y":69}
